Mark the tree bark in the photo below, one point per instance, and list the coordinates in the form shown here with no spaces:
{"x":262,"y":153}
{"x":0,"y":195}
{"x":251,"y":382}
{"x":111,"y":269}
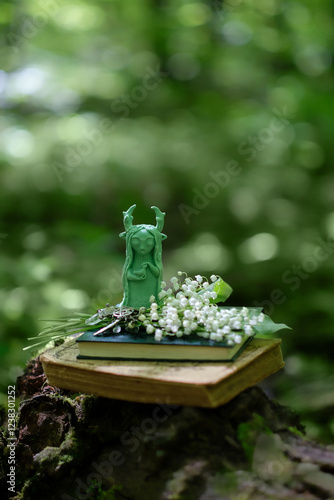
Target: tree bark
{"x":78,"y":446}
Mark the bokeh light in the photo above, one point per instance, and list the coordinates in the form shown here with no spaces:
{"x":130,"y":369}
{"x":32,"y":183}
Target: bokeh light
{"x":186,"y":88}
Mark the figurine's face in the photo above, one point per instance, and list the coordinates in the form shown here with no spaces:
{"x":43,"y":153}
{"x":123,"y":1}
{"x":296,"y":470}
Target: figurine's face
{"x":142,"y":242}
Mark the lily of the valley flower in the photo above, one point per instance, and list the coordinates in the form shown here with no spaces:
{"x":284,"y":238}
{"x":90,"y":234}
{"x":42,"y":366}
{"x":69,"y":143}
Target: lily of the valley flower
{"x":182,"y":310}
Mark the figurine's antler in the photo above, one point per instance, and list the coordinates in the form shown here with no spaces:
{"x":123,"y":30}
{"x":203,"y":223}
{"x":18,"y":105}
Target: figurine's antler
{"x":128,"y":218}
{"x":160,"y":216}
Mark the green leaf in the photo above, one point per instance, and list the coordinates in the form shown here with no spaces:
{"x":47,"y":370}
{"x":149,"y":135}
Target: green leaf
{"x":222,"y":289}
{"x":268,"y":326}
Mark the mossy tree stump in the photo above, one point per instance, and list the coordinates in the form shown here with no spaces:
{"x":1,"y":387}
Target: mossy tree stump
{"x":78,"y":446}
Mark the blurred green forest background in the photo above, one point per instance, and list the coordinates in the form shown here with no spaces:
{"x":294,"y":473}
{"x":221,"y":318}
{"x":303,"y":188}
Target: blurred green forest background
{"x":221,"y":114}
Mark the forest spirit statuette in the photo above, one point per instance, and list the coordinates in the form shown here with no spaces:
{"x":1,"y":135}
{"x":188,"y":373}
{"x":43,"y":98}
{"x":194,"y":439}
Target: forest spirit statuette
{"x":142,"y":271}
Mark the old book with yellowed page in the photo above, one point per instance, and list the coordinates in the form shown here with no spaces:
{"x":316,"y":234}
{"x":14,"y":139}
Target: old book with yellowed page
{"x":207,"y":384}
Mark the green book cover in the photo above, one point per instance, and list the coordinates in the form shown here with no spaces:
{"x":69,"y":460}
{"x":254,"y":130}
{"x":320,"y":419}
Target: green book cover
{"x":139,"y":346}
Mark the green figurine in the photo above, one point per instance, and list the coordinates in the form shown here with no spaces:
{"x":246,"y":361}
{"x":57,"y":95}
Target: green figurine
{"x":142,"y":271}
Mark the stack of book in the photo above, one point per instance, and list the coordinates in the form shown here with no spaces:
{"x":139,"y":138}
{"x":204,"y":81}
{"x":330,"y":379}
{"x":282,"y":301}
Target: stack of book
{"x":187,"y":371}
